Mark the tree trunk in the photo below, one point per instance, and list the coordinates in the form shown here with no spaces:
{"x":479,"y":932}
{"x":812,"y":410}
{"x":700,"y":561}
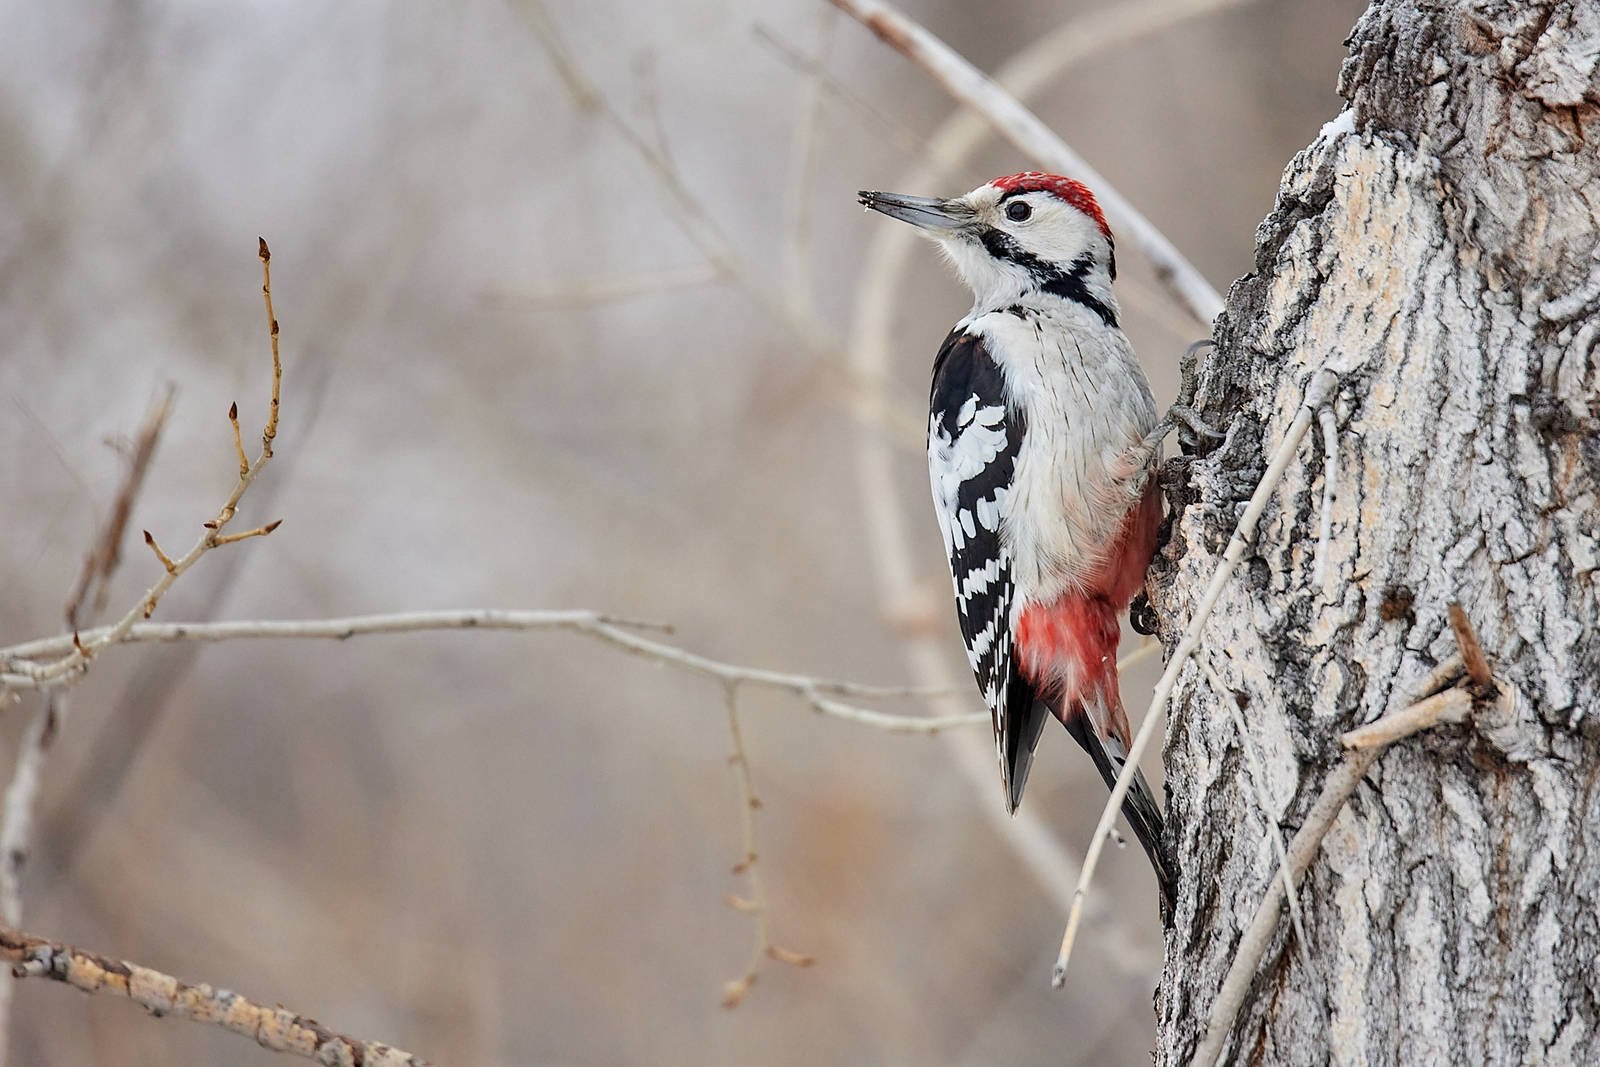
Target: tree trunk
{"x":1436,"y":246}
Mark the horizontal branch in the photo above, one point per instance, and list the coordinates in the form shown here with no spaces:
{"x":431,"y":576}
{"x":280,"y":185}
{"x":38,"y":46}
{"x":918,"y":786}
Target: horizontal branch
{"x":276,"y":1029}
{"x":618,"y":632}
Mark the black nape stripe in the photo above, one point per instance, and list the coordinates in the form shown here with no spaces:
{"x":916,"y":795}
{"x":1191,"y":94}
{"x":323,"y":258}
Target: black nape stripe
{"x":1067,"y":284}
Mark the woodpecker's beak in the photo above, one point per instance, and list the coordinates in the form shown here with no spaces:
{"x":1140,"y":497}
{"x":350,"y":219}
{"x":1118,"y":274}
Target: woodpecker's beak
{"x":939,"y":218}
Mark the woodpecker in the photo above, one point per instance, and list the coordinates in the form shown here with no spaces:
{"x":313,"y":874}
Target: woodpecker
{"x":1042,"y":443}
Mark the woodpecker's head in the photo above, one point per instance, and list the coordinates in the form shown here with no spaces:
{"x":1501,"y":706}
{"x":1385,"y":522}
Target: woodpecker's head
{"x":1015,"y":236}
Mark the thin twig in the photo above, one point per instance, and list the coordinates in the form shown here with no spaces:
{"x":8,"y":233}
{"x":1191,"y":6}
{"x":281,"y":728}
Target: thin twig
{"x":26,"y":676}
{"x":103,"y":558}
{"x":259,"y":531}
{"x":275,"y":1029}
{"x":270,"y":432}
{"x":621,"y":633}
{"x":1330,"y":478}
{"x":1253,"y":944}
{"x":238,"y":439}
{"x":1371,"y":741}
{"x":749,"y":865}
{"x":1258,"y":780}
{"x":1471,"y":652}
{"x":1450,"y":706}
{"x":1024,"y":130}
{"x":1317,"y":393}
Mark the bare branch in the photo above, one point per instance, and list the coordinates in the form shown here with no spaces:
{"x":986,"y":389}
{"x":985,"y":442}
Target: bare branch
{"x":33,"y":747}
{"x":259,"y":531}
{"x":1450,"y":706}
{"x":1024,"y":130}
{"x":621,"y":633}
{"x":275,"y":1029}
{"x":68,"y":667}
{"x":1253,"y":944}
{"x":270,"y":431}
{"x":1471,"y":651}
{"x":1317,"y":394}
{"x":749,"y":865}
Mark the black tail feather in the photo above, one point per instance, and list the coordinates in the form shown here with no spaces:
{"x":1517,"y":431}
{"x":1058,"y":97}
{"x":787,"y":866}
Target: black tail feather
{"x":1139,"y":807}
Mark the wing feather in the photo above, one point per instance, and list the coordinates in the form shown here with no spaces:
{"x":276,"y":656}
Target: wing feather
{"x":974,"y":438}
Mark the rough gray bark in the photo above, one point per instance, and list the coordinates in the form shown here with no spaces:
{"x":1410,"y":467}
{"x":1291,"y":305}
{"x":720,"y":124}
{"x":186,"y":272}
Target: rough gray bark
{"x":1437,"y":246}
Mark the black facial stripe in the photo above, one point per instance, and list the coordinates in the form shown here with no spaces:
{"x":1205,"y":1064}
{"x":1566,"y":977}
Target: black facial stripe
{"x":1067,"y":284}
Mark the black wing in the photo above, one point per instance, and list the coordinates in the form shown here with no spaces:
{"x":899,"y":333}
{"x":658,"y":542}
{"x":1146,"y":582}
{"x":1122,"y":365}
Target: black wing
{"x":974,"y":438}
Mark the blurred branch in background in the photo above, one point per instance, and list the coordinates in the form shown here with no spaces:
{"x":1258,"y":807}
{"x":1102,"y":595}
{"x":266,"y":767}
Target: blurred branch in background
{"x":789,"y":310}
{"x":1030,"y":135}
{"x":22,"y":666}
{"x":21,"y":796}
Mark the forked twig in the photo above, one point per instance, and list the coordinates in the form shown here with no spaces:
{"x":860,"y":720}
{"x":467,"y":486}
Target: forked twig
{"x":31,"y":676}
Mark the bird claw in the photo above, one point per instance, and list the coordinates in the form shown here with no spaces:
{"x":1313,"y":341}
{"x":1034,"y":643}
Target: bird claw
{"x":1187,"y":418}
{"x":1181,"y":415}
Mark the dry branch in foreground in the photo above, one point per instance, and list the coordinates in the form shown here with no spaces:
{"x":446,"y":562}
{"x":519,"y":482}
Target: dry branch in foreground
{"x":277,"y":1029}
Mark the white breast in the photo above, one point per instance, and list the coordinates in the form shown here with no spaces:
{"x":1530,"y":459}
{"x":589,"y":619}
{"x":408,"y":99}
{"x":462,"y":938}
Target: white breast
{"x":1088,"y":408}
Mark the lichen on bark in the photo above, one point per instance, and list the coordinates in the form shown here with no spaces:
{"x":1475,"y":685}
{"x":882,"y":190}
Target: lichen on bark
{"x":1437,"y":246}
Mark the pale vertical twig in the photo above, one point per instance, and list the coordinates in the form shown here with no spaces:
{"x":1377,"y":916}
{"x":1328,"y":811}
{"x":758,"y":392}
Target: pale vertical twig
{"x":1258,"y":779}
{"x":1330,"y":479}
{"x":1317,"y":393}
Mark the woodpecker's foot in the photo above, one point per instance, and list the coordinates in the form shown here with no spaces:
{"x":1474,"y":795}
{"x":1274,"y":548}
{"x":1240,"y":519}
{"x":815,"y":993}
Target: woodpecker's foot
{"x":1141,"y":616}
{"x":1181,"y":415}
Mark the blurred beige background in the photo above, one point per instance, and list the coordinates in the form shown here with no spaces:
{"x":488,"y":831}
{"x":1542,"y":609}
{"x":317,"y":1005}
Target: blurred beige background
{"x":513,"y":849}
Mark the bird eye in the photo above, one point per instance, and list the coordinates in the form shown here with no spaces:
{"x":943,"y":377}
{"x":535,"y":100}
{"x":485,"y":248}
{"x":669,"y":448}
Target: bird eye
{"x":1018,"y":211}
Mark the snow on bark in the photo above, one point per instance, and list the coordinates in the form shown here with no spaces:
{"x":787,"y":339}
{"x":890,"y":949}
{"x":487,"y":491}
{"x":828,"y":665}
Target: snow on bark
{"x":1437,"y":246}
